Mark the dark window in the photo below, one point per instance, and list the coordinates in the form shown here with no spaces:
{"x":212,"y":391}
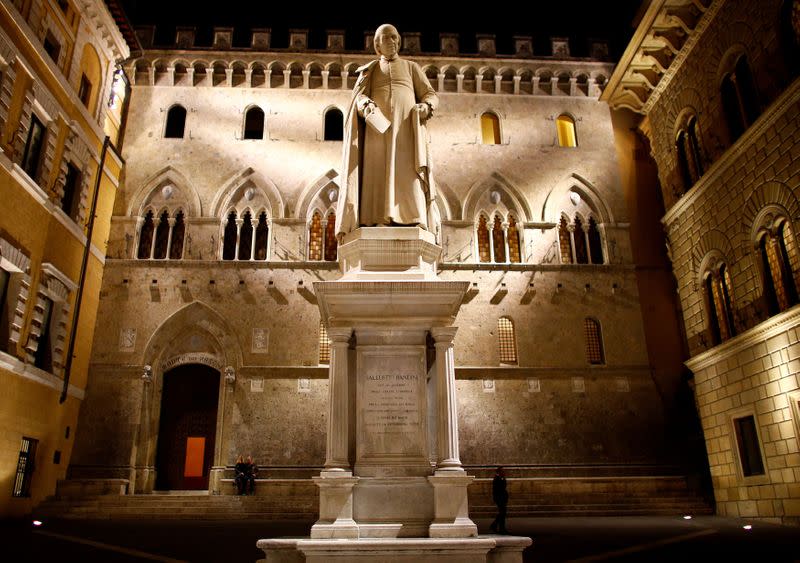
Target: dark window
{"x":254,"y":123}
{"x":5,"y":310}
{"x":334,"y":125}
{"x":57,"y":457}
{"x":85,"y":91}
{"x":25,"y":467}
{"x":694,"y":146}
{"x":499,"y":240}
{"x":176,"y":122}
{"x":229,"y":240}
{"x":739,"y":98}
{"x":713,"y":319}
{"x":730,"y":105}
{"x":262,"y":237}
{"x":749,"y":450}
{"x":33,"y":148}
{"x":246,"y":238}
{"x":51,"y":46}
{"x":747,"y":91}
{"x":581,"y":252}
{"x":784,"y":233}
{"x":770,"y":295}
{"x":176,"y":242}
{"x":595,"y":243}
{"x":683,"y":161}
{"x":162,"y":237}
{"x":146,"y":237}
{"x":70,"y":203}
{"x":43,"y":359}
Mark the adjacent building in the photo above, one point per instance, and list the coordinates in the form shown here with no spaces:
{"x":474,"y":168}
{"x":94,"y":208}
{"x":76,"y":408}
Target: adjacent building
{"x":60,"y":117}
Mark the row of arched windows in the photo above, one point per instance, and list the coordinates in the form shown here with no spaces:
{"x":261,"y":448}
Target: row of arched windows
{"x":740,"y":109}
{"x":506,"y":342}
{"x":245,"y":236}
{"x":779,"y":262}
{"x":253,"y":126}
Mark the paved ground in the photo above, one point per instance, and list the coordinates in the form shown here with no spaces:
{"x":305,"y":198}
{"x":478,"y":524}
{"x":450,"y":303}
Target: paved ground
{"x":620,"y":539}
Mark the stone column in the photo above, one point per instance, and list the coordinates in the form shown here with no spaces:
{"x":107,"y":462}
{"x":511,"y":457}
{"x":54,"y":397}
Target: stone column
{"x":517,"y":80}
{"x":338,"y":442}
{"x":336,"y":481}
{"x":450,"y":482}
{"x":325,"y":75}
{"x":447,"y":417}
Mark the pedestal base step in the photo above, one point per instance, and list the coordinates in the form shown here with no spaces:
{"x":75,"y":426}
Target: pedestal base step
{"x":483,"y":549}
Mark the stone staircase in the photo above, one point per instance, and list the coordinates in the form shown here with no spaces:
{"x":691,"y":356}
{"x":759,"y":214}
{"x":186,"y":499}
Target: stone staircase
{"x":591,"y":496}
{"x":298,"y":499}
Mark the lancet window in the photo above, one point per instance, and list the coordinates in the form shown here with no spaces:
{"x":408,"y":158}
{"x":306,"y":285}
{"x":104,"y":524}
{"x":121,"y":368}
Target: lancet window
{"x":176,"y":122}
{"x":719,"y":303}
{"x":780,"y":265}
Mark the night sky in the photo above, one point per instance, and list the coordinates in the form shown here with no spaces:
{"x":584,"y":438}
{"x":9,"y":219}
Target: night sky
{"x":580,"y":20}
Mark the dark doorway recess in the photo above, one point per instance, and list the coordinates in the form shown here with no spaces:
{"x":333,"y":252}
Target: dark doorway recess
{"x":187,"y":428}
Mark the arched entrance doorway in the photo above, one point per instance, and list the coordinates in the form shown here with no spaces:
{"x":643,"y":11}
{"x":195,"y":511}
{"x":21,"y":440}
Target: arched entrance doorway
{"x":187,"y":428}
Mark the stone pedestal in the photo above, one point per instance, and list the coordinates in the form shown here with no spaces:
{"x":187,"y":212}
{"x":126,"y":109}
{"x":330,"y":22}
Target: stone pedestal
{"x":392,"y":469}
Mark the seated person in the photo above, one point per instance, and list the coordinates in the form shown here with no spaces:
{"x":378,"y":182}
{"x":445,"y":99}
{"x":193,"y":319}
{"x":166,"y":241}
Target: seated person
{"x":240,"y":471}
{"x":251,"y":469}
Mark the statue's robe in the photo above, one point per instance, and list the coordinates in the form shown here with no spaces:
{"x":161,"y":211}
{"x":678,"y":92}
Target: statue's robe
{"x":386,"y":177}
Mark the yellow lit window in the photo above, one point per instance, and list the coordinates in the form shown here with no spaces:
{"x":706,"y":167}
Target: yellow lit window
{"x":490,"y":128}
{"x":565,"y":126}
{"x":324,"y":345}
{"x":506,"y":341}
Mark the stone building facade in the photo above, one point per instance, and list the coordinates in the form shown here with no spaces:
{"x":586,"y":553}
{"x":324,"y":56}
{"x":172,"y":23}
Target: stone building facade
{"x":716,"y":86}
{"x":58,"y":180}
{"x":219,"y":232}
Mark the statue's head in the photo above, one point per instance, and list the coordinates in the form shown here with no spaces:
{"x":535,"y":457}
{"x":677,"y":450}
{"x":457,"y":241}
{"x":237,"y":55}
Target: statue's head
{"x":387,"y":40}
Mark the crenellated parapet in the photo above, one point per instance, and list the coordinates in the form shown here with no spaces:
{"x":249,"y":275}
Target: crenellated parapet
{"x":298,"y":69}
{"x":668,"y":30}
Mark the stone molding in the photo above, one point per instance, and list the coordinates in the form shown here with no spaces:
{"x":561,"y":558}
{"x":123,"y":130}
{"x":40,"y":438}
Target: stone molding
{"x":760,"y":333}
{"x":32,"y":373}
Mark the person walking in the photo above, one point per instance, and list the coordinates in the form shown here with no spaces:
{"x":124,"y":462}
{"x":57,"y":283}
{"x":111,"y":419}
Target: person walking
{"x":500,"y":498}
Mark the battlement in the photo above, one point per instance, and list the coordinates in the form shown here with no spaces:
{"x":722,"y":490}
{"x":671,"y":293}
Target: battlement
{"x":261,"y":39}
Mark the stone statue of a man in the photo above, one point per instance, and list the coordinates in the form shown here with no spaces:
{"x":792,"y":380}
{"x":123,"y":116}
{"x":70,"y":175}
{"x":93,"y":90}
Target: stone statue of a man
{"x":386,"y":174}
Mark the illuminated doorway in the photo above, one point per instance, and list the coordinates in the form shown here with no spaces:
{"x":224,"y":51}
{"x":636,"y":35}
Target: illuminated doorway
{"x":187,"y":428}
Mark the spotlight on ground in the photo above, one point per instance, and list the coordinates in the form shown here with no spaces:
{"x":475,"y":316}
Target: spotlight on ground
{"x":747,"y":527}
{"x":37,"y":522}
{"x":687,"y":517}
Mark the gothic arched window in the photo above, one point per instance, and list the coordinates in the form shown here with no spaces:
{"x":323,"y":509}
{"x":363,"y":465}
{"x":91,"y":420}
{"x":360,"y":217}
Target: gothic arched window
{"x":565,"y":241}
{"x":229,"y":238}
{"x":315,"y":237}
{"x":262,"y":237}
{"x":484,"y":244}
{"x":498,"y":240}
{"x":146,"y":237}
{"x":331,"y":244}
{"x":246,"y":237}
{"x":162,"y":237}
{"x":718,"y":297}
{"x":595,"y":243}
{"x":176,"y":238}
{"x":514,"y":250}
{"x":579,"y":240}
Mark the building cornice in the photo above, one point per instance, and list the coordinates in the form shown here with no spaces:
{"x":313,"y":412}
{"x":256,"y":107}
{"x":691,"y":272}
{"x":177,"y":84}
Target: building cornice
{"x":663,"y":39}
{"x":773,"y":326}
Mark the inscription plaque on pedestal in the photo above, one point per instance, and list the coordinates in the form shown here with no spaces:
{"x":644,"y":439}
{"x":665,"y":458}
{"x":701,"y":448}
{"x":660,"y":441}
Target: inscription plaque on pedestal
{"x":392,"y":410}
